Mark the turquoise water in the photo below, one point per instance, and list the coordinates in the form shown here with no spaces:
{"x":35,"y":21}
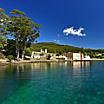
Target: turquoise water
{"x":52,"y":83}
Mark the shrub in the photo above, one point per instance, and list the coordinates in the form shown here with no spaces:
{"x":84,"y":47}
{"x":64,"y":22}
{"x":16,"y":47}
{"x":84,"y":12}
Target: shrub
{"x":10,"y":57}
{"x":48,"y":57}
{"x":28,"y":52}
{"x":1,"y":46}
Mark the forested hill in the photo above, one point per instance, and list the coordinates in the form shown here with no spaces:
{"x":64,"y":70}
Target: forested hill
{"x":54,"y":47}
{"x":60,"y":49}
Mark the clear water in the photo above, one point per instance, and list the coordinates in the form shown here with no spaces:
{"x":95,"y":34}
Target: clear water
{"x":52,"y":83}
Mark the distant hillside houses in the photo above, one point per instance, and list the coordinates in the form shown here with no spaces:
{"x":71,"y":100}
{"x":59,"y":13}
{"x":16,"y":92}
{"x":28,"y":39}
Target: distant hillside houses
{"x":69,"y":56}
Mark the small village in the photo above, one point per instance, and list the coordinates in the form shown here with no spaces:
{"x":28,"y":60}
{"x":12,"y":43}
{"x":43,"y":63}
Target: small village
{"x":45,"y":56}
{"x":70,"y":56}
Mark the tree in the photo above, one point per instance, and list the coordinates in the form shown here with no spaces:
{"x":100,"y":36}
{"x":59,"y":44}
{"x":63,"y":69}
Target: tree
{"x":3,"y":26}
{"x":24,"y":31}
{"x":10,"y":48}
{"x":3,"y":22}
{"x":3,"y":42}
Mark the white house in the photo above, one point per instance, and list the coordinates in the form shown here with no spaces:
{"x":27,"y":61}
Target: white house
{"x":86,"y":58}
{"x":42,"y":55}
{"x":78,"y":56}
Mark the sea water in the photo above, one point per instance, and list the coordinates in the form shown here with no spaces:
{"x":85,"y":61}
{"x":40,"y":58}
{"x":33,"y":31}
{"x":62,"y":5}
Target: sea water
{"x":52,"y":83}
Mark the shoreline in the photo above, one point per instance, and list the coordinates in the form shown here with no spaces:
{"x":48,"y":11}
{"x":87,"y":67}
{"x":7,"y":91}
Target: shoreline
{"x":3,"y":62}
{"x":94,"y":59}
{"x":44,"y":61}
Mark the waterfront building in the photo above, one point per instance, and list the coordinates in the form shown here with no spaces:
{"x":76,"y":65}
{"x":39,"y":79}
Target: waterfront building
{"x":76,"y":56}
{"x":43,"y":55}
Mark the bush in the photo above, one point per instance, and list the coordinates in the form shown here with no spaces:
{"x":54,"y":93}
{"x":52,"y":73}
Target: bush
{"x":10,"y":57}
{"x":48,"y":57}
{"x":28,"y":52}
{"x":1,"y":46}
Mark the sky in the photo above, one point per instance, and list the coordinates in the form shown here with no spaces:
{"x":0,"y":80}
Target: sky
{"x":62,"y":20}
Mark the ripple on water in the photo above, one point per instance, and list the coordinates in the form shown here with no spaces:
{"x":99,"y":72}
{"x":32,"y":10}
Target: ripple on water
{"x":53,"y":83}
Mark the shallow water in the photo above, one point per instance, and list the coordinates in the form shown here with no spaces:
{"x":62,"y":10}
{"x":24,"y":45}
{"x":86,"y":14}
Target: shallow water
{"x":52,"y":83}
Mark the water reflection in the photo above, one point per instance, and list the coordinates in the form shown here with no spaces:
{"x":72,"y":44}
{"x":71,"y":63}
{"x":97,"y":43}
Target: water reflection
{"x":76,"y":67}
{"x":82,"y":72}
{"x":81,"y":64}
{"x":18,"y":75}
{"x":79,"y":67}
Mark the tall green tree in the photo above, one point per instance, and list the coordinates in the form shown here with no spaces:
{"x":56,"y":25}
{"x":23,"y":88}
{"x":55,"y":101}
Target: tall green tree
{"x":3,"y":42}
{"x":24,"y":31}
{"x":4,"y":19}
{"x":3,"y":26}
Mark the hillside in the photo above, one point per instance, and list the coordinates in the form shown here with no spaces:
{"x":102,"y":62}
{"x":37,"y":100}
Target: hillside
{"x":60,"y":49}
{"x":54,"y":47}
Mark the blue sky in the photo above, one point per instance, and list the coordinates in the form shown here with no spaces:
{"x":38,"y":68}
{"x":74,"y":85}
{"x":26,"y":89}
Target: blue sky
{"x":57,"y":15}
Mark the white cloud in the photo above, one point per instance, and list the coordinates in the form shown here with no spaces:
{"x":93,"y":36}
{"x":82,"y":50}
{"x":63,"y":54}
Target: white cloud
{"x":72,"y":31}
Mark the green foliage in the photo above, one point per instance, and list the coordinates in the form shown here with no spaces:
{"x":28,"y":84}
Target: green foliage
{"x":3,"y":39}
{"x":10,"y":57}
{"x":10,"y":48}
{"x":1,"y":46}
{"x":54,"y":48}
{"x":28,"y":52}
{"x":15,"y":11}
{"x":3,"y":42}
{"x":48,"y":57}
{"x":60,"y":49}
{"x":94,"y":53}
{"x":3,"y":21}
{"x":22,"y":28}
